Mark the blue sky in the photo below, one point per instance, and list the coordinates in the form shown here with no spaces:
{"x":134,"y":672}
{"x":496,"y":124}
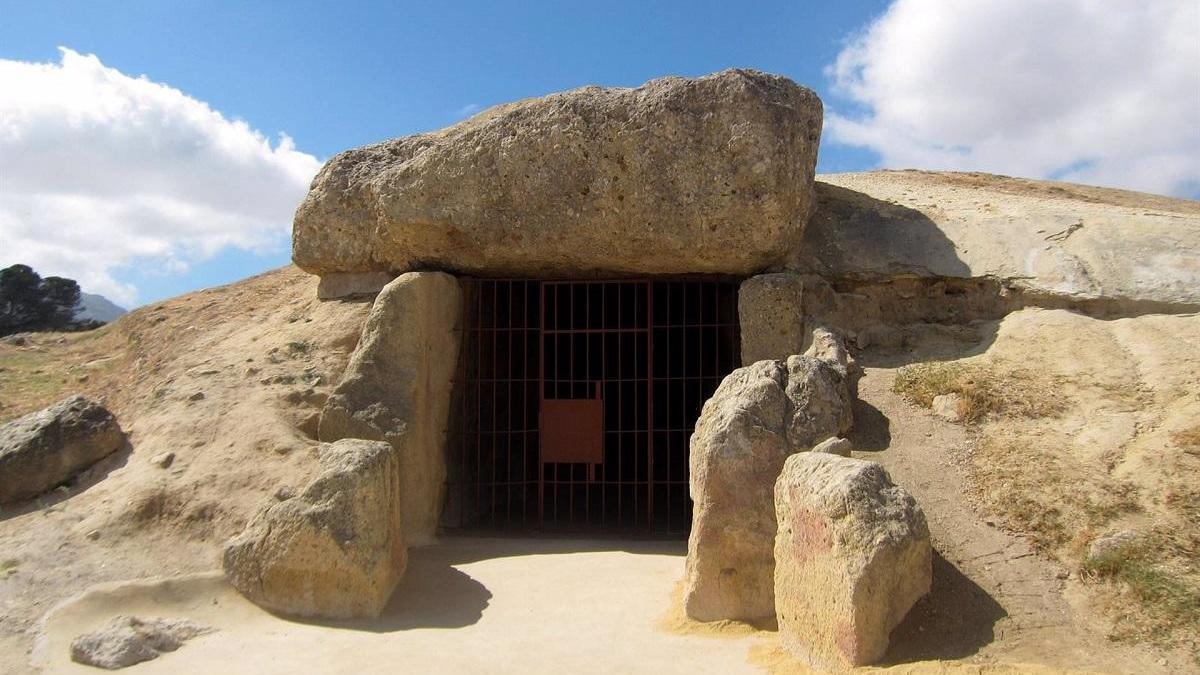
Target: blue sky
{"x":336,"y":75}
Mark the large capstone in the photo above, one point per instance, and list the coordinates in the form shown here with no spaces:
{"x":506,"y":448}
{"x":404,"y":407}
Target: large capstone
{"x":334,"y":551}
{"x":759,"y":415}
{"x":852,"y":555}
{"x":397,"y":386}
{"x":45,"y":448}
{"x":679,"y":175}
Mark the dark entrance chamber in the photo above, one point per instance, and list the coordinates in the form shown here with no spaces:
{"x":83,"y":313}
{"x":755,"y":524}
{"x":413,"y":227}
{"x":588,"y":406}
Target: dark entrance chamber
{"x":575,"y":402}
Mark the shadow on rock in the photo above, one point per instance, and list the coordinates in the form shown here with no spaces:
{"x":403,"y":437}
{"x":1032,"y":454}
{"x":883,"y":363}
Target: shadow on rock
{"x":75,"y":485}
{"x":954,"y":621}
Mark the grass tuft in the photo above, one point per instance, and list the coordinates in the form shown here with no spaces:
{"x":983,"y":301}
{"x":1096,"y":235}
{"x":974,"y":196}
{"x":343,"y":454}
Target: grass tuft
{"x":1167,"y":601}
{"x":299,"y":347}
{"x":983,"y":392}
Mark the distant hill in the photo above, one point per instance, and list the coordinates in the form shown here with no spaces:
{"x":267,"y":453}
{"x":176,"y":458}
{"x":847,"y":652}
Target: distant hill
{"x":97,"y":308}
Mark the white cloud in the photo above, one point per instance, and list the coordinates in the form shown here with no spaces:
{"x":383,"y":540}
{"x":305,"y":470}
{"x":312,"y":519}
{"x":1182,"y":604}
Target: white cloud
{"x":1079,"y":90}
{"x":99,"y":169}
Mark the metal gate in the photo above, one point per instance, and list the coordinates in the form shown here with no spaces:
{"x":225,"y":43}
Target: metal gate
{"x":575,"y":401}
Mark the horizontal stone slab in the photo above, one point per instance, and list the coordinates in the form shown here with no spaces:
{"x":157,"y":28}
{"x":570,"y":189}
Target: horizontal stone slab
{"x":707,"y":175}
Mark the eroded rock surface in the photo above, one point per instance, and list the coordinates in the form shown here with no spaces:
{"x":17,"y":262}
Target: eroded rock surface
{"x":852,"y":556}
{"x":1104,"y":249}
{"x":350,"y":284}
{"x":759,"y":415}
{"x":771,"y":316}
{"x":676,"y":176}
{"x":45,"y":448}
{"x":334,"y":551}
{"x":128,"y":640}
{"x":397,"y":387}
{"x":841,"y":447}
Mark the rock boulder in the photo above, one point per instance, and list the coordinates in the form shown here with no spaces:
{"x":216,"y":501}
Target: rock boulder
{"x":771,"y":314}
{"x":45,"y":448}
{"x":835,"y":446}
{"x":679,"y":175}
{"x":397,"y":388}
{"x":852,"y":555}
{"x":759,"y":415}
{"x":127,"y":640}
{"x":334,"y":551}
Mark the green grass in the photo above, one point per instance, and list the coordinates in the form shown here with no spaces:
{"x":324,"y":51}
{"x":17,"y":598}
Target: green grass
{"x":1169,"y":600}
{"x":299,"y":347}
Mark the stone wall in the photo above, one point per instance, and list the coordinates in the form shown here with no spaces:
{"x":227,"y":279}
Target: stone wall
{"x":771,"y":313}
{"x":397,"y":389}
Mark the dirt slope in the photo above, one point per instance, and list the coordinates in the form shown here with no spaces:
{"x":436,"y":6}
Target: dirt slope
{"x":1083,"y":428}
{"x":224,"y":379}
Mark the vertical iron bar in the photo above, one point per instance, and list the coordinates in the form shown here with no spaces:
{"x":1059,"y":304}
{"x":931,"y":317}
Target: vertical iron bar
{"x":524,"y":482}
{"x":512,"y":334}
{"x":620,"y":409}
{"x":587,"y":374}
{"x":462,"y":407}
{"x":571,"y":394}
{"x":479,"y":406}
{"x":649,"y":406}
{"x":604,"y":427}
{"x":541,"y":471}
{"x":495,"y":383}
{"x":667,"y":414}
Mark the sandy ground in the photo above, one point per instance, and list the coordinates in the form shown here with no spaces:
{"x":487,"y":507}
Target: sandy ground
{"x":465,"y":606}
{"x":540,"y":605}
{"x":227,"y":379}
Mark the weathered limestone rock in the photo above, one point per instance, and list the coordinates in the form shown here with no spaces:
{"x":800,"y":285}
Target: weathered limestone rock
{"x":679,"y":175}
{"x":348,"y":284}
{"x":772,"y":316}
{"x":948,"y":407}
{"x":334,"y":551}
{"x":759,"y":415}
{"x":45,"y":448}
{"x":397,"y":387}
{"x":852,"y":555}
{"x":835,"y":446}
{"x":827,"y":345}
{"x":1105,"y":548}
{"x":1098,"y":248}
{"x":128,"y":640}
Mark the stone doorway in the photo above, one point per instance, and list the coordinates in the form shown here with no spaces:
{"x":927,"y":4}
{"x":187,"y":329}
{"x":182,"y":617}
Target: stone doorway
{"x":575,"y":401}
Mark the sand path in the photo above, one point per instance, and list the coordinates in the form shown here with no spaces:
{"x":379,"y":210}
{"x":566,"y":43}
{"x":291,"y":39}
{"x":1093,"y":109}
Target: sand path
{"x":466,"y":605}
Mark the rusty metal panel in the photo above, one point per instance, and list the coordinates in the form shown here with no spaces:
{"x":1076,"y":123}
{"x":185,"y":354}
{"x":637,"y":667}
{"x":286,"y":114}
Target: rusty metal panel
{"x":572,"y":430}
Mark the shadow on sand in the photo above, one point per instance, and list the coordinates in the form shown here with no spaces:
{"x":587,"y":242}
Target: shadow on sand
{"x":872,"y":430}
{"x":954,"y":621}
{"x":436,"y":594}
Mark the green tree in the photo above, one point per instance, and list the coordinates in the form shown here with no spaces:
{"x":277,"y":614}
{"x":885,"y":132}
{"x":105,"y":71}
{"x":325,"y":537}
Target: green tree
{"x":30,"y":303}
